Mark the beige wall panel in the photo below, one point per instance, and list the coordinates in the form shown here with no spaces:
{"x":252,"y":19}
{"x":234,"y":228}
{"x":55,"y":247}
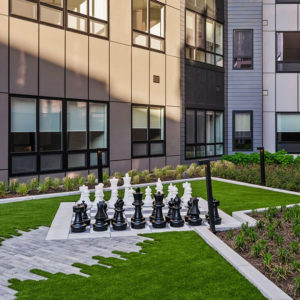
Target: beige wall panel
{"x":120,"y":21}
{"x":174,"y":3}
{"x":99,"y":69}
{"x":4,"y":176}
{"x":140,"y":76}
{"x":76,"y":65}
{"x":122,"y":166}
{"x":3,"y":54}
{"x":173,"y":160}
{"x":120,"y":131}
{"x":269,"y":86}
{"x":286,"y":17}
{"x":158,"y":68}
{"x":269,"y":131}
{"x":173,"y":96}
{"x":23,"y":57}
{"x":4,"y":7}
{"x":286,"y":92}
{"x":140,"y":164}
{"x":173,"y":130}
{"x":4,"y":131}
{"x":120,"y":72}
{"x":157,"y":162}
{"x":269,"y":16}
{"x":269,"y":52}
{"x":172,"y":31}
{"x":52,"y":61}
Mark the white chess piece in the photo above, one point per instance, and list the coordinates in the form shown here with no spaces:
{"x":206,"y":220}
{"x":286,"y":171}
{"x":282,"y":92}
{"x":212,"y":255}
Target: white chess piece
{"x":159,"y":186}
{"x":114,"y":192}
{"x":99,"y":194}
{"x":184,"y":185}
{"x":170,"y":188}
{"x":174,"y":192}
{"x":130,"y":196}
{"x":148,"y":197}
{"x":81,"y":190}
{"x":86,"y":198}
{"x":127,"y":185}
{"x":188,"y":194}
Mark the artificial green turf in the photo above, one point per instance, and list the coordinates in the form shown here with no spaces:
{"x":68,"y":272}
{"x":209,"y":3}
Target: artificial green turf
{"x":176,"y":265}
{"x":35,"y":213}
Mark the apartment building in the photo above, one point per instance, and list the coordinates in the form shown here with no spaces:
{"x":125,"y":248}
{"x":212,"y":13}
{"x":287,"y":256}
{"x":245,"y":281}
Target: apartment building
{"x":142,"y":80}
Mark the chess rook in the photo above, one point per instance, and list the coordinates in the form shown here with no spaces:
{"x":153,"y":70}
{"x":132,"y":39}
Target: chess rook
{"x":78,"y":225}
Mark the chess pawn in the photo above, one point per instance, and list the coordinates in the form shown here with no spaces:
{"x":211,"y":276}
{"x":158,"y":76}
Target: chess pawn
{"x":174,"y":191}
{"x":148,"y":197}
{"x":194,"y":214}
{"x":159,"y":187}
{"x":169,"y":197}
{"x":119,"y":223}
{"x":159,"y":221}
{"x":82,"y":189}
{"x":78,"y":225}
{"x":101,"y":218}
{"x":138,"y":221}
{"x":127,"y":185}
{"x":189,"y":206}
{"x":86,"y":198}
{"x":131,"y":198}
{"x":114,"y":191}
{"x":177,"y":220}
{"x":85,"y":217}
{"x":170,"y":214}
{"x":215,"y":213}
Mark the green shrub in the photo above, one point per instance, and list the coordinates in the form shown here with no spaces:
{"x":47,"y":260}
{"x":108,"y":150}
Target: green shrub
{"x":56,"y":183}
{"x":22,"y":189}
{"x":297,"y":285}
{"x":158,"y":173}
{"x":13,"y":184}
{"x":148,"y":178}
{"x":78,"y":181}
{"x":136,"y":179}
{"x":267,"y":259}
{"x":145,"y":173}
{"x":132,"y":173}
{"x":105,"y":177}
{"x":91,"y":179}
{"x":283,"y":254}
{"x":180,"y":169}
{"x":48,"y":182}
{"x":294,"y":247}
{"x":34,"y":184}
{"x":2,"y":188}
{"x":68,"y":184}
{"x":117,"y":175}
{"x":240,"y":242}
{"x":44,"y":188}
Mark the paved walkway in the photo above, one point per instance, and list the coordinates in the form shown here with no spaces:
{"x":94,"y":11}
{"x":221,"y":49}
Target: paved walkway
{"x":19,"y":255}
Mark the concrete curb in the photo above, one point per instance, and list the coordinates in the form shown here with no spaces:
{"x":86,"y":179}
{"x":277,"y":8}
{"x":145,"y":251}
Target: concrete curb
{"x":65,"y":194}
{"x":262,"y":283}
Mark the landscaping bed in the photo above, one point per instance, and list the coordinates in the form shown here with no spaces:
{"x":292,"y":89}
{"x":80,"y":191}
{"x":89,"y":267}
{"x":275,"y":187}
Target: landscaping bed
{"x":272,"y":246}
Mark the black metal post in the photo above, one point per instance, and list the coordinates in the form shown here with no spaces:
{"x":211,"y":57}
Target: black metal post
{"x":262,"y":165}
{"x":100,"y":166}
{"x":209,"y":194}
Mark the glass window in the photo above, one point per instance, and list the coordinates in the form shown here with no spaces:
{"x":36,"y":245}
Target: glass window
{"x":76,"y":160}
{"x":50,"y":125}
{"x":23,"y":164}
{"x":51,"y":15}
{"x":24,"y":8}
{"x":190,"y":126}
{"x":58,"y":3}
{"x":148,"y":131}
{"x":51,"y":162}
{"x":157,"y":19}
{"x":140,"y":15}
{"x":200,"y":33}
{"x":98,"y":125}
{"x":242,"y":139}
{"x":211,"y":8}
{"x":200,"y":127}
{"x":98,"y":9}
{"x":210,"y":35}
{"x":210,"y":127}
{"x":190,"y":30}
{"x":219,"y":38}
{"x":76,"y":125}
{"x":219,"y":127}
{"x":77,"y":22}
{"x":243,"y":49}
{"x":79,"y":6}
{"x":23,"y":125}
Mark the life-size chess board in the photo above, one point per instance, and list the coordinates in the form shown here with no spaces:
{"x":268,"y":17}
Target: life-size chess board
{"x":61,"y":225}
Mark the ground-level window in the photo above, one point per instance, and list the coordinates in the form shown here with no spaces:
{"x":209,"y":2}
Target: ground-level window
{"x":52,"y":135}
{"x":242,"y":131}
{"x":242,"y":49}
{"x":148,"y":131}
{"x":288,"y":132}
{"x":204,"y":133}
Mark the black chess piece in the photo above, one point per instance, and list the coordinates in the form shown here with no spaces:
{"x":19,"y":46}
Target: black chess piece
{"x":170,"y":214}
{"x":187,"y":216}
{"x":159,"y":221}
{"x":177,"y":220}
{"x":119,"y":223}
{"x":194,"y":215}
{"x":105,"y":210}
{"x":138,"y":221}
{"x":78,"y":225}
{"x":115,"y":213}
{"x":153,"y":211}
{"x":101,"y":223}
{"x":85,"y":217}
{"x":215,"y":213}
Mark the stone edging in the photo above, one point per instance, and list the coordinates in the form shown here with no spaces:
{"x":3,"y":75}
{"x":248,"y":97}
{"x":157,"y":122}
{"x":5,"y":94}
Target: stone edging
{"x":262,"y":283}
{"x":64,"y":194}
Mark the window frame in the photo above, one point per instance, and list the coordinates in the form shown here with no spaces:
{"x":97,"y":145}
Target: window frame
{"x":234,"y":112}
{"x":148,"y":141}
{"x":148,"y":34}
{"x":196,"y":144}
{"x":233,"y":47}
{"x":66,"y":12}
{"x":64,"y":151}
{"x":285,"y":62}
{"x":205,"y":17}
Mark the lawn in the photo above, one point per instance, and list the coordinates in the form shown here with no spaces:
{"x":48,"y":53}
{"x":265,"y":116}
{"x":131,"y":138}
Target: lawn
{"x":177,"y":265}
{"x":35,"y":213}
